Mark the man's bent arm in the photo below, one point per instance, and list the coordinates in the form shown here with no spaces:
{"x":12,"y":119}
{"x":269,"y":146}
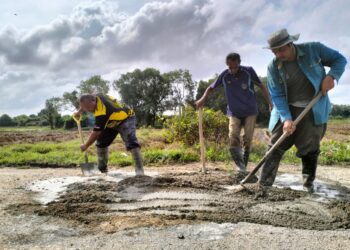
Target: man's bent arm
{"x":200,"y":102}
{"x":266,"y":95}
{"x":93,"y":137}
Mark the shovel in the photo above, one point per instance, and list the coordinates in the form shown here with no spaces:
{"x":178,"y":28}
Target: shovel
{"x":281,"y":139}
{"x":87,"y":168}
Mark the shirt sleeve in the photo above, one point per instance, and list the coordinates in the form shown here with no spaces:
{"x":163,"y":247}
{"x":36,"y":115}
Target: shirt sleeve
{"x":217,"y":82}
{"x":100,"y":122}
{"x":256,"y":80}
{"x":332,"y":59}
{"x":277,"y":93}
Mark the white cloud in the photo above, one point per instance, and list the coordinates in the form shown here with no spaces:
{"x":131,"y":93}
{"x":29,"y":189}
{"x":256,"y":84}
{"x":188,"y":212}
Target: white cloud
{"x":103,"y":38}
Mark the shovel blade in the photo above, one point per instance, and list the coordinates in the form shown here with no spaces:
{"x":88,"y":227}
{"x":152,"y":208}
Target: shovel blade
{"x":89,"y":169}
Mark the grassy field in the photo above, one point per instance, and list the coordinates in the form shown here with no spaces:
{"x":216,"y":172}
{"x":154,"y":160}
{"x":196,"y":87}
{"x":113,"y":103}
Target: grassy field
{"x":156,"y":150}
{"x":24,"y":129}
{"x":339,"y":121}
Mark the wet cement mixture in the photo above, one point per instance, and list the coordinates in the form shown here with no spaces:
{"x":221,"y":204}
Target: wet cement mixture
{"x":185,"y":198}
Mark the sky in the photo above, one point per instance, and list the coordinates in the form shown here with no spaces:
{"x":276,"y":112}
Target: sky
{"x":48,"y":47}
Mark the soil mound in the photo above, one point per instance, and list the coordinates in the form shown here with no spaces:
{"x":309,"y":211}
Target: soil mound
{"x":187,"y":198}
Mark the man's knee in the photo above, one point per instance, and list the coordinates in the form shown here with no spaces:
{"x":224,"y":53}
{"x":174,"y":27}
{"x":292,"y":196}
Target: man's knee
{"x":130,"y":139}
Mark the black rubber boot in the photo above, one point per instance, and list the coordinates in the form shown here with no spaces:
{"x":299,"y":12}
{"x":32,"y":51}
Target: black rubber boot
{"x":270,"y":167}
{"x":102,"y":156}
{"x":136,"y":155}
{"x":237,"y":157}
{"x":309,"y":166}
{"x":246,"y":157}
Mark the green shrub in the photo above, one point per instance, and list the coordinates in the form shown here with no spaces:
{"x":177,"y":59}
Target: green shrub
{"x":334,"y":152}
{"x":69,"y":122}
{"x":184,"y":128}
{"x":170,"y":156}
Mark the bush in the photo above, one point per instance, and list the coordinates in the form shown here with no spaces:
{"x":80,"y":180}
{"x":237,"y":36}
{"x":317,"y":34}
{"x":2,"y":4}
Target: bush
{"x":69,"y":122}
{"x":184,"y":128}
{"x":6,"y":120}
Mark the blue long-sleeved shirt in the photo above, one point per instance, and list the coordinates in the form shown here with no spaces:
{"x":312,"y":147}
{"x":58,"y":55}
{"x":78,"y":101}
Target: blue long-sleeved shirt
{"x":311,"y":58}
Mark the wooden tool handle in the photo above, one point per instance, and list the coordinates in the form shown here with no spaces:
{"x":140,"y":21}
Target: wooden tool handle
{"x":82,"y":140}
{"x":283,"y":137}
{"x":201,"y":138}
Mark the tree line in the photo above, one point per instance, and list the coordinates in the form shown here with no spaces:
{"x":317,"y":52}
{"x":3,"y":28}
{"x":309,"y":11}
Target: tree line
{"x":149,"y":92}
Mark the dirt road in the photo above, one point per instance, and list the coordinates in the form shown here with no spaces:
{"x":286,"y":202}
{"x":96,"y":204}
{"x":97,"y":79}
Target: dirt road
{"x":173,"y":207}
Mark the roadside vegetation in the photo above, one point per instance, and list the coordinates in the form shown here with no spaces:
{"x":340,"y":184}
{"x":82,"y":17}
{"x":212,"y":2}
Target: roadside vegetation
{"x":49,"y":138}
{"x":177,"y":143}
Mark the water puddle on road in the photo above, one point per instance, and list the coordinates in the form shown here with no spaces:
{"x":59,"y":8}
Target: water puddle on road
{"x":323,"y":189}
{"x":49,"y":190}
{"x":121,"y":200}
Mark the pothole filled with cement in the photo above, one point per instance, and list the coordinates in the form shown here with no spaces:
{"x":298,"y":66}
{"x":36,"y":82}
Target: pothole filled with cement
{"x":121,"y":201}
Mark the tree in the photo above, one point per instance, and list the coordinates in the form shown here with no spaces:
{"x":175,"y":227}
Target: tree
{"x":33,"y":120}
{"x":70,"y":100}
{"x":94,"y":85}
{"x":340,"y":111}
{"x":182,"y":87}
{"x":21,"y":120}
{"x":146,"y":92}
{"x":263,"y":108}
{"x":50,"y":112}
{"x":216,"y":99}
{"x":6,"y":121}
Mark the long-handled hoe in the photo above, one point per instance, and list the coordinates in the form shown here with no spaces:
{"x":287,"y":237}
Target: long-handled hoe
{"x":279,"y":141}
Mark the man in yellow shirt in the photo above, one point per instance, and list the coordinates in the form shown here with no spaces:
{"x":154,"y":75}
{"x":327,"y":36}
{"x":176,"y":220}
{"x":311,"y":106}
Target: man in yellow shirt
{"x":111,"y":118}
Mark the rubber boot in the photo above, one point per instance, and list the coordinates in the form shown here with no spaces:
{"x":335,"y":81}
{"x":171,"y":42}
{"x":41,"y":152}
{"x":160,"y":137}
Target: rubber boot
{"x":236,"y":154}
{"x":269,"y":168}
{"x":102,"y":159}
{"x":268,"y":174}
{"x":262,"y":192}
{"x":246,"y":157}
{"x":136,"y":155}
{"x":309,"y":166}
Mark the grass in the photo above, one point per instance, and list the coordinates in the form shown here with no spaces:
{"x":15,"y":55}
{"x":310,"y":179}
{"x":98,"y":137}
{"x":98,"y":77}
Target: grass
{"x":339,"y":121}
{"x":25,"y":129}
{"x":156,"y":151}
{"x":68,"y":153}
{"x":59,"y":154}
{"x":332,"y":153}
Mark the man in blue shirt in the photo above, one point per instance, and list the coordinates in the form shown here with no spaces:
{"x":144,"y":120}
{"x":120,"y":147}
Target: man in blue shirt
{"x":238,"y":82}
{"x":295,"y":76}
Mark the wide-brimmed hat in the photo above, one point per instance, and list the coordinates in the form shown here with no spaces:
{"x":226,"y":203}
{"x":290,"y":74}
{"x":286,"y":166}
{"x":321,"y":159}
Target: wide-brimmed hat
{"x":281,"y":38}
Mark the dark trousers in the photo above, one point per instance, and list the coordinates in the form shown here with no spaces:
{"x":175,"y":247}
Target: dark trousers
{"x":127,"y":130}
{"x":306,"y":138}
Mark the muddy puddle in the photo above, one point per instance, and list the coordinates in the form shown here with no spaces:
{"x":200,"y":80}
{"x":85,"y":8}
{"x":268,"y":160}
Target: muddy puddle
{"x":324,"y":190}
{"x":121,"y":201}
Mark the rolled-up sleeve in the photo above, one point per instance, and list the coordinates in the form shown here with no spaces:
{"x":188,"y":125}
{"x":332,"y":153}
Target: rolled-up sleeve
{"x":332,"y":59}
